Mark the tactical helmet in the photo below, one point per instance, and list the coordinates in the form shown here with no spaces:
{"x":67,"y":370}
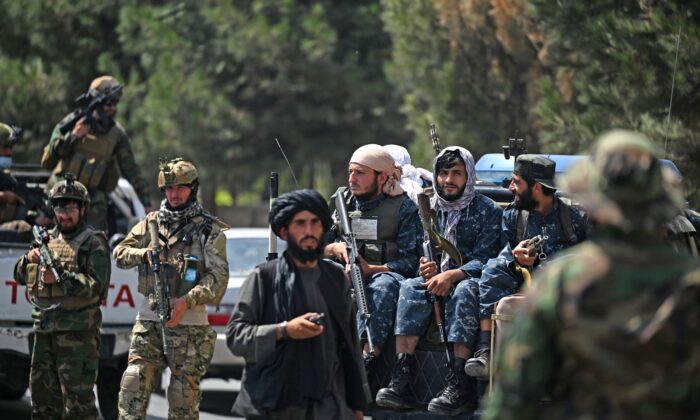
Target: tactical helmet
{"x":9,"y":135}
{"x":103,"y":83}
{"x":177,"y":172}
{"x":624,"y":184}
{"x":69,"y":189}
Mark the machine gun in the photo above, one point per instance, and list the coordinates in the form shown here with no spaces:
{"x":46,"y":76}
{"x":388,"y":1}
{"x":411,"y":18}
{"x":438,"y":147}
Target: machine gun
{"x":162,"y":289}
{"x":424,"y":212}
{"x":435,"y":139}
{"x":87,"y":103}
{"x":515,"y":147}
{"x":358,"y":284}
{"x":42,"y":238}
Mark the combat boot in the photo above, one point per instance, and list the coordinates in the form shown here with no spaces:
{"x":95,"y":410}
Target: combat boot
{"x":479,"y":365}
{"x":459,"y":395}
{"x":398,"y":395}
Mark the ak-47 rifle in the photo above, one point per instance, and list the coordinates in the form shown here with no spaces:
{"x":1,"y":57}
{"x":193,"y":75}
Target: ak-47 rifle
{"x":358,"y":284}
{"x":435,"y":139}
{"x":42,"y":238}
{"x":272,"y":244}
{"x":424,"y":212}
{"x":87,"y":103}
{"x":162,"y":289}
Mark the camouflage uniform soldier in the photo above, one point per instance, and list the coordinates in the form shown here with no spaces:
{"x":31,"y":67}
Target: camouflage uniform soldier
{"x":470,"y":221}
{"x":612,"y":331}
{"x":67,"y":316}
{"x":195,"y":267}
{"x":386,"y":222}
{"x":97,"y":150}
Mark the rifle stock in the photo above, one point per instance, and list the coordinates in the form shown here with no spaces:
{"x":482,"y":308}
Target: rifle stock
{"x":358,"y":285}
{"x":86,"y":105}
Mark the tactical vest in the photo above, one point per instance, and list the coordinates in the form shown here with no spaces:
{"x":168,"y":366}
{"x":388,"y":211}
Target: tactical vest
{"x":46,"y":295}
{"x":92,"y":159}
{"x":182,"y":248}
{"x":376,"y":230}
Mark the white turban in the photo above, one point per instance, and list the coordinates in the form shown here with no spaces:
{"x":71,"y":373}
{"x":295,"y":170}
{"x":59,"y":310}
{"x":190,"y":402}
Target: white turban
{"x":377,"y":158}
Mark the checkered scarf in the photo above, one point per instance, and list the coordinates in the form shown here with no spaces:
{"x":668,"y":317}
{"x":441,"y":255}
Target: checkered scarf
{"x":169,"y":217}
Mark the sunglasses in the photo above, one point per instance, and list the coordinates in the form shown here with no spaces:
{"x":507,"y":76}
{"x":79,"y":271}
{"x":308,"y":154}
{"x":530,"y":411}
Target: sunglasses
{"x":65,"y":210}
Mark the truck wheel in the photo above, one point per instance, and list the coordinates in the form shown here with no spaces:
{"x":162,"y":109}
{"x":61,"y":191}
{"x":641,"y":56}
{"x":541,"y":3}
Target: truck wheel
{"x":108,"y":384}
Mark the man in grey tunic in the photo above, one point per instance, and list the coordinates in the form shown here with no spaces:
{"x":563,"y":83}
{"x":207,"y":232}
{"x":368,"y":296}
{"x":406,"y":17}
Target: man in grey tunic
{"x":297,"y":368}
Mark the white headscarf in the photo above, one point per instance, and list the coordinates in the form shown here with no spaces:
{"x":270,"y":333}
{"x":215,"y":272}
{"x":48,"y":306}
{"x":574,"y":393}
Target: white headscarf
{"x":411,"y":177}
{"x":377,"y":158}
{"x":454,"y":208}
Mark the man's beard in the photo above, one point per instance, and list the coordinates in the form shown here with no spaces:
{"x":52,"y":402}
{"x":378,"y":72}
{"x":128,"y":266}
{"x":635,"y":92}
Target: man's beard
{"x":371,"y":193}
{"x":301,"y":254}
{"x":525,"y":201}
{"x":68,"y":230}
{"x":450,"y":197}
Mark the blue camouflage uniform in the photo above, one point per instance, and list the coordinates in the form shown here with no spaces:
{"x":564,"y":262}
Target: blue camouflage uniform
{"x":382,"y":289}
{"x":478,"y":240}
{"x":499,"y":279}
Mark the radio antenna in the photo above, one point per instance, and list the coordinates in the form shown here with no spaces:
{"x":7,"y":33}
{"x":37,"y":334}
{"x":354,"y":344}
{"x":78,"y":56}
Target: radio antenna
{"x":673,"y":85}
{"x":288,"y":164}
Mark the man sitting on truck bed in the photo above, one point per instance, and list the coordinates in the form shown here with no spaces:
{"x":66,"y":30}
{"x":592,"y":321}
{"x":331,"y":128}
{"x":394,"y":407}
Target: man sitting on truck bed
{"x":470,"y":221}
{"x":536,"y":210}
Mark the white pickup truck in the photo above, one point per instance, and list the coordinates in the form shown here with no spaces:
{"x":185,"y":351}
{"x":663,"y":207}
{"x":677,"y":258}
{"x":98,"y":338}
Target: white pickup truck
{"x":118,"y":314}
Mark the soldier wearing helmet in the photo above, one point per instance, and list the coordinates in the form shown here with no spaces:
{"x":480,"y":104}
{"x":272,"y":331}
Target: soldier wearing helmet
{"x":67,"y":316}
{"x":19,"y":206}
{"x":611,"y":331}
{"x":193,"y":262}
{"x":96,"y":150}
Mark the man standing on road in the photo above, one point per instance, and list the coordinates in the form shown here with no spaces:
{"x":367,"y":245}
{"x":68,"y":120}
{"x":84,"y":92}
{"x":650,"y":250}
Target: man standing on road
{"x":67,"y":316}
{"x":612,"y":331}
{"x":385,"y":222}
{"x":470,"y":221}
{"x":300,"y":363}
{"x":96,"y":150}
{"x":193,"y":263}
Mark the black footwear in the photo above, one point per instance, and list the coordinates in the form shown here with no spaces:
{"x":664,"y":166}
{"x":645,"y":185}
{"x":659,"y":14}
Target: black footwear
{"x":479,"y":365}
{"x":398,"y":395}
{"x":458,"y":396}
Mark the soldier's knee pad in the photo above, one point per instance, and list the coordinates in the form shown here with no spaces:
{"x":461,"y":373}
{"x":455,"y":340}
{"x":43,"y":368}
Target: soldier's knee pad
{"x":131,"y":379}
{"x":180,"y":392}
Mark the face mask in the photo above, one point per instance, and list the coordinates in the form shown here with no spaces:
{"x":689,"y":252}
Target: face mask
{"x":5,"y":162}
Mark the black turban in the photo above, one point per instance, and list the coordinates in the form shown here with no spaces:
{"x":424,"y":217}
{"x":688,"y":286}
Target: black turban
{"x":287,"y":205}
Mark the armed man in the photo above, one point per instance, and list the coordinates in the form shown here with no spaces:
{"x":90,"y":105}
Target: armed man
{"x":535,"y":211}
{"x":471,"y":222}
{"x":612,"y":331}
{"x":19,"y":206}
{"x":66,"y":281}
{"x":96,"y":149}
{"x":180,"y":251}
{"x":385,"y":222}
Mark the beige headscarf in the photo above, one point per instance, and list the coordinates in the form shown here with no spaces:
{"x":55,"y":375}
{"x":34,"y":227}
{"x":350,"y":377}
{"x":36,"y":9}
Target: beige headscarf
{"x":376,"y":157}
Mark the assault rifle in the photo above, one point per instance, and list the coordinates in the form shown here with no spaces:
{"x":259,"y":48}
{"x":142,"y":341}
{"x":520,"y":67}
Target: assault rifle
{"x":272,"y":243}
{"x":87,"y":103}
{"x":358,"y":284}
{"x":162,"y":289}
{"x":424,"y":212}
{"x":534,"y":248}
{"x":42,"y":238}
{"x":435,"y":139}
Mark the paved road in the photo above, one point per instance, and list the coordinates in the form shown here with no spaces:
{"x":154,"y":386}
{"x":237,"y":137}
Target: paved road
{"x":218,"y":396}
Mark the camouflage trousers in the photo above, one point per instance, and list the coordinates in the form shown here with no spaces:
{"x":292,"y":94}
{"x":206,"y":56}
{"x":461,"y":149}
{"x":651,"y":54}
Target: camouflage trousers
{"x":498,"y":280}
{"x":382,"y":293}
{"x":414,"y":311}
{"x":191,"y":350}
{"x":63,"y":374}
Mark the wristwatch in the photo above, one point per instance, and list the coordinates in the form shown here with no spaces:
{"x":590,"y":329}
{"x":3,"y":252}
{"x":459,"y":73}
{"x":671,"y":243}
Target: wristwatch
{"x":283,"y":330}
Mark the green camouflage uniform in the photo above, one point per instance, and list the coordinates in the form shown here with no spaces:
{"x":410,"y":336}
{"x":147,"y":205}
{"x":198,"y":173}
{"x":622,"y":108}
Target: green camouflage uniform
{"x":612,"y":331}
{"x":65,"y":355}
{"x":192,"y":341}
{"x":97,"y":159}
